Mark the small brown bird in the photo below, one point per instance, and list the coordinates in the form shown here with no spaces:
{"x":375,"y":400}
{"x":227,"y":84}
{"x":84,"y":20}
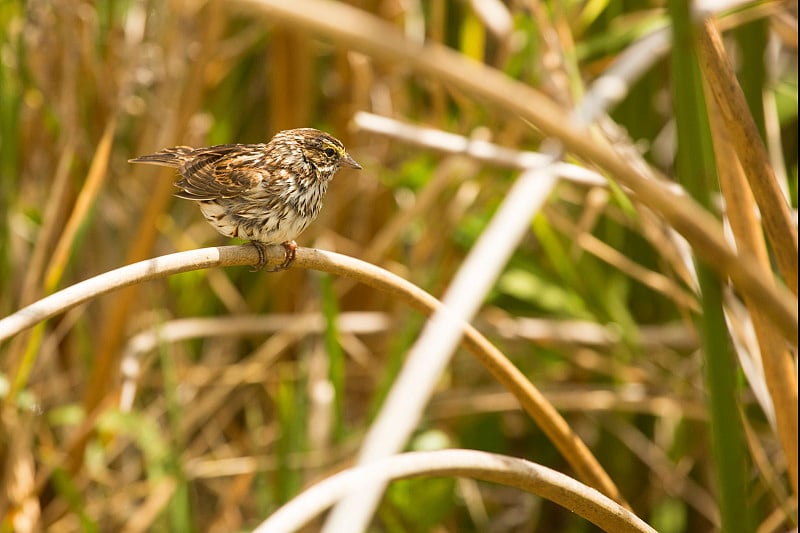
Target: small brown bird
{"x":267,"y":193}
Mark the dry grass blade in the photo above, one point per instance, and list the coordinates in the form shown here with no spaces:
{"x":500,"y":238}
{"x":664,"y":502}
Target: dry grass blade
{"x":655,"y":280}
{"x":518,"y":473}
{"x":532,"y":401}
{"x":428,"y":357}
{"x":370,"y":35}
{"x":18,"y":506}
{"x":207,"y":399}
{"x":779,"y":368}
{"x":94,"y":181}
{"x":65,"y":246}
{"x":22,"y":348}
{"x":478,"y":150}
{"x":52,"y":227}
{"x":750,"y":149}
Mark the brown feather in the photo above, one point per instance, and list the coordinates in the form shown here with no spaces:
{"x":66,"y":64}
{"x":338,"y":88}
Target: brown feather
{"x":268,"y":193}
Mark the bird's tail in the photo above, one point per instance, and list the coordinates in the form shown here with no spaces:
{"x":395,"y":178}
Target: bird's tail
{"x":168,"y":157}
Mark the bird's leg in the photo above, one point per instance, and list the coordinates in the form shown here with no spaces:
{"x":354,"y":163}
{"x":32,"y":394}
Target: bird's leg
{"x":291,"y":251}
{"x":261,"y":248}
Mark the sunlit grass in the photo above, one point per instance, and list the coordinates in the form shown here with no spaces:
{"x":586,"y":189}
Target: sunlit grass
{"x":598,"y":305}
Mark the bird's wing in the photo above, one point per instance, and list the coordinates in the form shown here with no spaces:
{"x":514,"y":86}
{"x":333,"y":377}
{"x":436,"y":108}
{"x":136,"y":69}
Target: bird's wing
{"x":224,"y":171}
{"x":168,"y":157}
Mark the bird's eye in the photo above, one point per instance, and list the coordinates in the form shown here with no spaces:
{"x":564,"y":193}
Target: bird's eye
{"x":330,"y":152}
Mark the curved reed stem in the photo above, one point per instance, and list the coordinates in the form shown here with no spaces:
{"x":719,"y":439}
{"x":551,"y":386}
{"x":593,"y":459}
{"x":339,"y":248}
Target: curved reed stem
{"x":530,"y":398}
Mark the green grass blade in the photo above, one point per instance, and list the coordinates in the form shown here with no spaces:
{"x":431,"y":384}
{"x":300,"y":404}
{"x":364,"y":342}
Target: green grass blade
{"x":696,"y":170}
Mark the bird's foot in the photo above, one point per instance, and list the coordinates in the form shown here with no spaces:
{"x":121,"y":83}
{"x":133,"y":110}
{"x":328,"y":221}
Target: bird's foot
{"x":291,"y":251}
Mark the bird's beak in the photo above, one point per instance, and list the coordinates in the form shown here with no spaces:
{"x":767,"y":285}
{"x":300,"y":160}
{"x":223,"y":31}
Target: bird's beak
{"x":350,"y":162}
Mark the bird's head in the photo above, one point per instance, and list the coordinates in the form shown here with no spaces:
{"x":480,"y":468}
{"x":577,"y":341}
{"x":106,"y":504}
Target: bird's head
{"x":325,"y":152}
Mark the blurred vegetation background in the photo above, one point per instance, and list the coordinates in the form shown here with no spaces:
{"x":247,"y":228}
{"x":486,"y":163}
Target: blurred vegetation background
{"x":212,"y":425}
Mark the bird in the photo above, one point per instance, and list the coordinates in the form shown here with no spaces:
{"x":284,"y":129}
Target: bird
{"x":267,"y":193}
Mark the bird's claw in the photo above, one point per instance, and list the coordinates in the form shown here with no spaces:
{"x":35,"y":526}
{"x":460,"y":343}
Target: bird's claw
{"x":261,"y":248}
